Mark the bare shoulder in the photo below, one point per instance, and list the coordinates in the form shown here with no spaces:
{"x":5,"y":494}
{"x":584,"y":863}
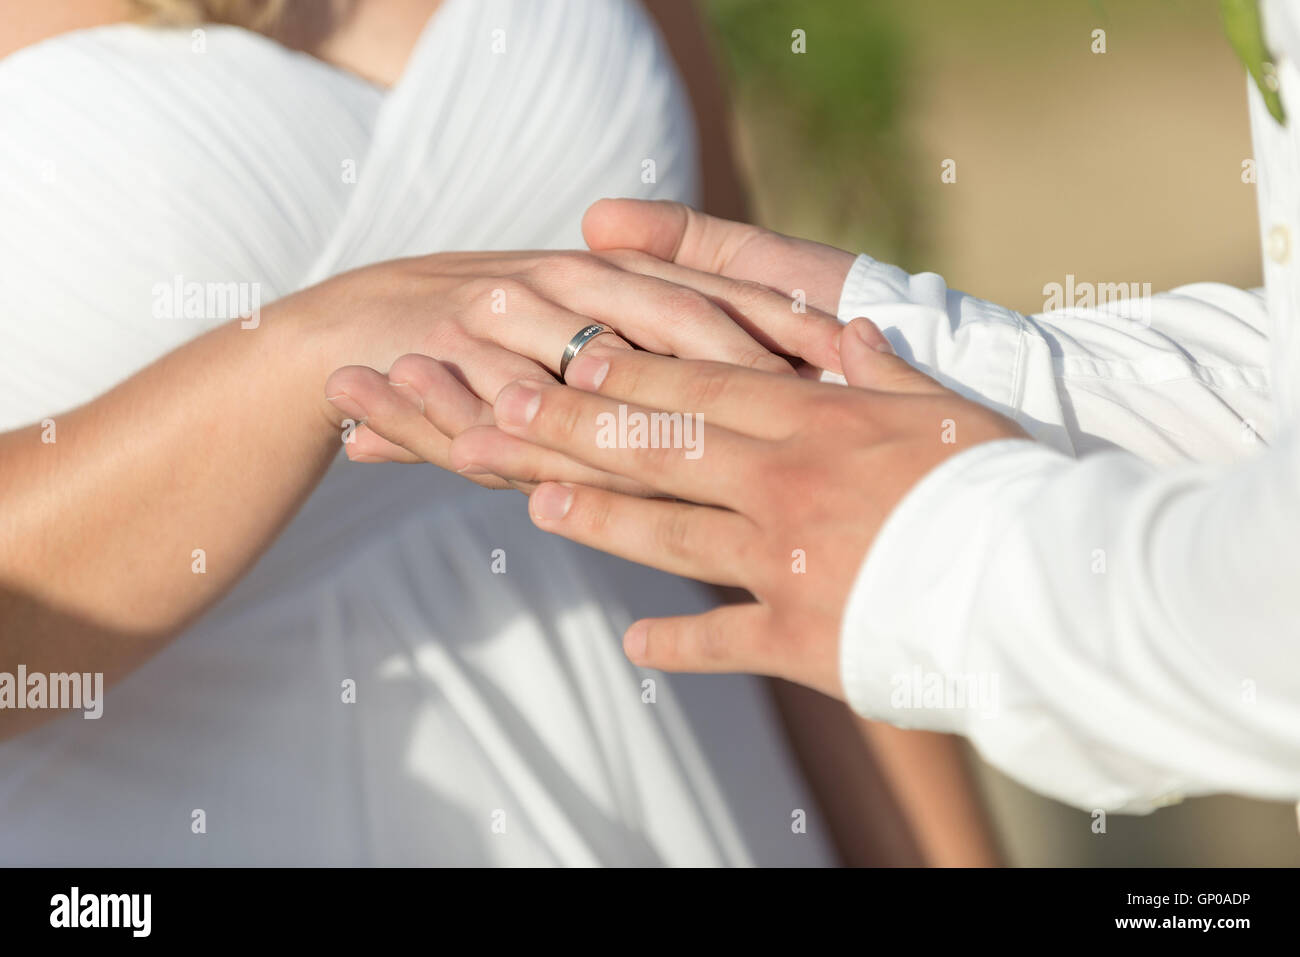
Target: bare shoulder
{"x":23,"y":23}
{"x":372,"y":38}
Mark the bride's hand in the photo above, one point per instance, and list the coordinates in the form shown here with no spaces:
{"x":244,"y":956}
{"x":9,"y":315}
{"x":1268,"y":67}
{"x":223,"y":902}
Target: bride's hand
{"x":450,"y":330}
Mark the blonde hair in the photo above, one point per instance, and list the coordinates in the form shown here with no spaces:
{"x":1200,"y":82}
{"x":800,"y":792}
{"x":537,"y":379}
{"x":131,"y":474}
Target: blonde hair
{"x":263,"y":16}
{"x":302,"y":24}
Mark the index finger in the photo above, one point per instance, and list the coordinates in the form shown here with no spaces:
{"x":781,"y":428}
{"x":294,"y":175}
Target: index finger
{"x":752,"y":403}
{"x":674,"y":453}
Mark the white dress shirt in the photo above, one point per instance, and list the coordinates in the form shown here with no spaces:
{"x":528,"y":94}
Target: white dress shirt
{"x":1111,"y":614}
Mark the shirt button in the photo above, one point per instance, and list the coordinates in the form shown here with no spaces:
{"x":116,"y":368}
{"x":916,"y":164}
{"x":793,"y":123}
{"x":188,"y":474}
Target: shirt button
{"x":1279,"y":245}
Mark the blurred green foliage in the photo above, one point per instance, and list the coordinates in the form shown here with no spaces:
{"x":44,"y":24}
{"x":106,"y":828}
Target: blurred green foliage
{"x":828,"y":136}
{"x":822,"y":131}
{"x":854,"y":59}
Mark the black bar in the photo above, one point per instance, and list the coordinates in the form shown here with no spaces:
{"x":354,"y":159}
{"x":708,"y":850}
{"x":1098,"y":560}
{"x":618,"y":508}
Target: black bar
{"x":438,"y":907}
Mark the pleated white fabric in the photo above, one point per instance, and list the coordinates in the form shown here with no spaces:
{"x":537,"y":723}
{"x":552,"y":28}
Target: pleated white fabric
{"x":496,"y":720}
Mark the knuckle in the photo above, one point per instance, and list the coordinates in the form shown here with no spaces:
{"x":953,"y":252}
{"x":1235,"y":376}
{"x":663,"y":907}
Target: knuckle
{"x":654,"y":463}
{"x":560,"y":415}
{"x":512,"y":287}
{"x":468,"y":290}
{"x":712,"y":642}
{"x":709,"y":385}
{"x":684,"y":306}
{"x":750,"y":296}
{"x":672,"y":533}
{"x":593,"y":511}
{"x":764,"y":361}
{"x":492,"y":295}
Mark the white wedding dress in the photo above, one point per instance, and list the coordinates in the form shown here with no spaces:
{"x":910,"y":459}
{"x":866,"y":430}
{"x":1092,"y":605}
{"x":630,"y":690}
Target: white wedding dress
{"x":496,"y":720}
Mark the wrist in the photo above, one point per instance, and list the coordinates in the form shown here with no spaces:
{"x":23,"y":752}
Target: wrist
{"x":830,"y":274}
{"x":306,"y":345}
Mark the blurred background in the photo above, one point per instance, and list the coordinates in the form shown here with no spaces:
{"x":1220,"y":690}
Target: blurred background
{"x":1122,"y":166}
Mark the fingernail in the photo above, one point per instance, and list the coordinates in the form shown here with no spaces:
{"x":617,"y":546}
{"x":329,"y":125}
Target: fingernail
{"x":406,"y":390}
{"x":517,"y":404}
{"x":875,"y":339}
{"x":347,"y":405}
{"x":551,"y":502}
{"x":634,"y":642}
{"x":587,"y":372}
{"x":472,"y":470}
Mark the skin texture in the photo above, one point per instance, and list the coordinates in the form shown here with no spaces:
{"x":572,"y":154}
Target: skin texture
{"x":99,"y":529}
{"x":741,"y":251}
{"x":659,"y":306}
{"x":925,"y":772}
{"x":789,"y":468}
{"x":784,"y":464}
{"x":82,"y":585}
{"x":56,"y":533}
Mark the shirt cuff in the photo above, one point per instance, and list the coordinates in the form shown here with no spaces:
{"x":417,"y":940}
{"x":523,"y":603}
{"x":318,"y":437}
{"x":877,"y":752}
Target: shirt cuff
{"x":904,"y":653}
{"x":871,"y":284}
{"x":979,"y":350}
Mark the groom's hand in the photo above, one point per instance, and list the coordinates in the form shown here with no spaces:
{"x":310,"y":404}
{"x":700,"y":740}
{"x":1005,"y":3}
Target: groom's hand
{"x":778,"y":485}
{"x":797,"y":268}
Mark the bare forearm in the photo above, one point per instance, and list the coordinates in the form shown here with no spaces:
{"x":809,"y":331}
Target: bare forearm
{"x":153,"y":499}
{"x":932,"y":782}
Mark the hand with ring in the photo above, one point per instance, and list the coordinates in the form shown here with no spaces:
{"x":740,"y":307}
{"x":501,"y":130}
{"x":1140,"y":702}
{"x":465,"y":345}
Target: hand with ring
{"x":492,"y":318}
{"x":576,"y":344}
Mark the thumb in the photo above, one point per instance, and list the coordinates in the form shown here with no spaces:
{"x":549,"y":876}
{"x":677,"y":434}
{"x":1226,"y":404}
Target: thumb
{"x":656,"y":227}
{"x":869,"y":362}
{"x":666,"y":230}
{"x":698,"y":241}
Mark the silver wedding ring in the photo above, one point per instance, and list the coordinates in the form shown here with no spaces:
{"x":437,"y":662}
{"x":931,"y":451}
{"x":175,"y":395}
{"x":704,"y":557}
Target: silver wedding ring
{"x":585,"y":335}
